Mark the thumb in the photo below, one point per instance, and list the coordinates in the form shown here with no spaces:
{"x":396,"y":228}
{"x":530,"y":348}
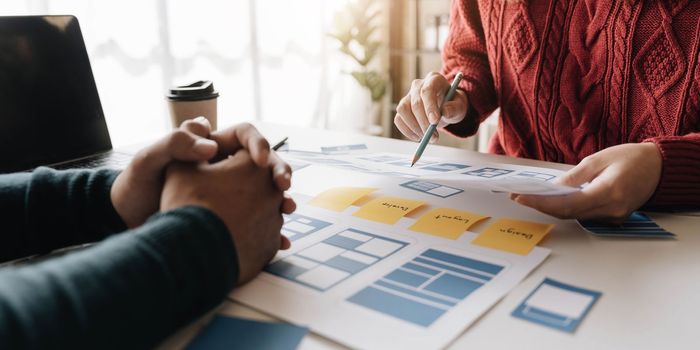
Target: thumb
{"x":584,"y":172}
{"x":202,"y":149}
{"x":455,"y":110}
{"x":179,"y":145}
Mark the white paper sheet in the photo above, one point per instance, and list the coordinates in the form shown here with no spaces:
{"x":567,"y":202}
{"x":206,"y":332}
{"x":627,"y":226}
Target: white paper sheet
{"x":495,"y":177}
{"x":405,"y":289}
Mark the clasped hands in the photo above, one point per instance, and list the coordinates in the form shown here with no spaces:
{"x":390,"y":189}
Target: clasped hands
{"x":231,"y":172}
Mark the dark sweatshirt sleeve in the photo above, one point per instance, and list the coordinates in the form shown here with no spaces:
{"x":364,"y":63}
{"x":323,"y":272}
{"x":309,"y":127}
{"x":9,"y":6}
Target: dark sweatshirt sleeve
{"x":48,"y":209}
{"x":129,"y":291}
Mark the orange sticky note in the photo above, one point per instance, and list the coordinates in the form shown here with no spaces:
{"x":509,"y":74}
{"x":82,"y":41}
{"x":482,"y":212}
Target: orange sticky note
{"x":339,"y":198}
{"x":515,"y":236}
{"x":446,"y":223}
{"x":387,"y":209}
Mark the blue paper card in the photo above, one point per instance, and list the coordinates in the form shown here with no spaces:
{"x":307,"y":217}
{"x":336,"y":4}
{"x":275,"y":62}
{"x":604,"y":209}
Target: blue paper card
{"x":236,"y":333}
{"x":557,"y":305}
{"x":636,"y":225}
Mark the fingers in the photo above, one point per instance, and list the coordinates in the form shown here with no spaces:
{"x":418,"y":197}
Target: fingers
{"x":178,"y":145}
{"x":418,"y":107}
{"x":563,"y":207}
{"x":432,"y":93}
{"x":599,"y":200}
{"x":243,"y":136}
{"x":584,"y":172}
{"x":285,"y":243}
{"x":199,"y":126}
{"x":288,"y":204}
{"x":281,"y":172}
{"x":404,"y":129}
{"x":455,"y":111}
{"x":409,"y":121}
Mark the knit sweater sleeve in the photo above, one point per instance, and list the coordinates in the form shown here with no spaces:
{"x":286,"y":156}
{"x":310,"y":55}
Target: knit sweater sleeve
{"x":679,"y":186}
{"x":465,"y":51}
{"x":48,"y":209}
{"x":129,"y":291}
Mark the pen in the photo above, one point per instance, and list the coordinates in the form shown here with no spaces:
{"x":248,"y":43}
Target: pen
{"x":431,"y":129}
{"x":279,"y":145}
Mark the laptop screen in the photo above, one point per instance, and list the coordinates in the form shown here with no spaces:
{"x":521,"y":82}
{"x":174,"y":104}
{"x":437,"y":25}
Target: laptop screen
{"x":49,"y":107}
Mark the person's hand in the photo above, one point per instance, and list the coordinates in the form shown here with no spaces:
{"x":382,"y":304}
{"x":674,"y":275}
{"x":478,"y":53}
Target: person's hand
{"x":239,"y":192}
{"x":246,"y":136}
{"x":621,"y":179}
{"x":136,"y":192}
{"x":421,"y":107}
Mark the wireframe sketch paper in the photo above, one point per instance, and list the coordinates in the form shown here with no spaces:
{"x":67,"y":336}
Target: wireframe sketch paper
{"x":495,"y":177}
{"x":390,"y":276}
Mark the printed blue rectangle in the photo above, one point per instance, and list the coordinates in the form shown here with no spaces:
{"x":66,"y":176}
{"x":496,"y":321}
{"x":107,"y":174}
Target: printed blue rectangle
{"x":431,"y":188}
{"x":488,"y":172}
{"x":397,"y":306}
{"x":453,"y":286}
{"x":557,"y":305}
{"x":463,"y":261}
{"x":445,"y":167}
{"x":236,"y":333}
{"x":423,"y":289}
{"x":636,"y":225}
{"x":298,"y":226}
{"x":406,"y":277}
{"x":533,"y":175}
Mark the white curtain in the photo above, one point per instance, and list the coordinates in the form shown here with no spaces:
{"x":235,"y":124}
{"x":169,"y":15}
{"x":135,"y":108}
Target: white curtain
{"x":271,"y":60}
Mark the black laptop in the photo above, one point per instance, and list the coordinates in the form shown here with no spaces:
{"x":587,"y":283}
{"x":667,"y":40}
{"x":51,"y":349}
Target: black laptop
{"x":50,"y":111}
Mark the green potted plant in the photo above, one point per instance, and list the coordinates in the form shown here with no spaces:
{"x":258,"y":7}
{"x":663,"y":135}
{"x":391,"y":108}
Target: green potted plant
{"x":355,"y":28}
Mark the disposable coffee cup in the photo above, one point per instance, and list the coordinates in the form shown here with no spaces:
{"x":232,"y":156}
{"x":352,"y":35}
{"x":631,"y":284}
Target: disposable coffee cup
{"x":191,"y":101}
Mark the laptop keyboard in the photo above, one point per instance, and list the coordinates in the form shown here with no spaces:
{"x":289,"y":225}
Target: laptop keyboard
{"x":112,"y":160}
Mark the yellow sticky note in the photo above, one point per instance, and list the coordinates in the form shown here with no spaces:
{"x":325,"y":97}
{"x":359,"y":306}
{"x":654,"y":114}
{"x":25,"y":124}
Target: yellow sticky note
{"x":446,"y":223}
{"x":515,"y":236}
{"x":387,"y":209}
{"x":337,"y":199}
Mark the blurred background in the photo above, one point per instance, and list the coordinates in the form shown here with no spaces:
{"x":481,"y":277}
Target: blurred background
{"x":334,"y":64}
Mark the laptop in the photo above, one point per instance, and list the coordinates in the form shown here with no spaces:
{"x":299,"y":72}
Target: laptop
{"x":50,"y":111}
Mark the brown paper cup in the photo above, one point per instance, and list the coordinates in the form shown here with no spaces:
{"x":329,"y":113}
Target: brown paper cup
{"x":192,"y":101}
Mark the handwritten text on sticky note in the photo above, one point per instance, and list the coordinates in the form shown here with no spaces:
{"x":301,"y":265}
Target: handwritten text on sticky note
{"x":446,"y":223}
{"x":337,"y":199}
{"x":515,"y":236}
{"x":387,"y":210}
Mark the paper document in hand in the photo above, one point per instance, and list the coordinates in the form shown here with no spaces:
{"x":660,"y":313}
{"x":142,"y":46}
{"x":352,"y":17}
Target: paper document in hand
{"x":505,"y":182}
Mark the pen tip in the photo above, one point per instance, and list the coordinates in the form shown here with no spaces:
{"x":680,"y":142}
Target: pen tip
{"x":413,"y":162}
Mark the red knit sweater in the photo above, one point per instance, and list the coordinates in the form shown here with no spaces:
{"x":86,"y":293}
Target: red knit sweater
{"x":575,"y":77}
